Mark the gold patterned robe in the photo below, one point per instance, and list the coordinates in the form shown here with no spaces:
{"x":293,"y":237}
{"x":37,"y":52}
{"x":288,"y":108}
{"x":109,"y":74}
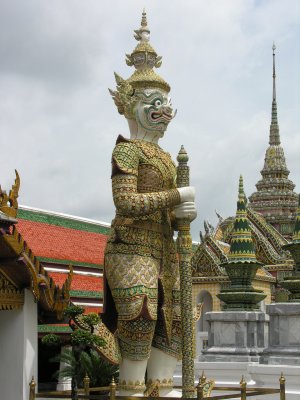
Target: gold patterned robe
{"x":141,"y":266}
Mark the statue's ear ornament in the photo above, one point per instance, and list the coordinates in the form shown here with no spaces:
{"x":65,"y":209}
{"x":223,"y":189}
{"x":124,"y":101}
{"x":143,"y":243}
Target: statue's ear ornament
{"x":124,"y":97}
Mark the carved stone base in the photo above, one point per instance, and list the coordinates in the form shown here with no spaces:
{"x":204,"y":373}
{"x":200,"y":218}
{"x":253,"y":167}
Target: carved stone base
{"x":235,"y":336}
{"x":284,"y":338}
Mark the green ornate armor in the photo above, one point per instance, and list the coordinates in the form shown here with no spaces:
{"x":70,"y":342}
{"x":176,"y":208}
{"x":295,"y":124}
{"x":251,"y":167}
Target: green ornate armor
{"x":140,"y":258}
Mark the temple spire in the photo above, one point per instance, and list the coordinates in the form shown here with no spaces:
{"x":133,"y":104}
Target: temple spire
{"x":274,"y":73}
{"x":274,"y":128}
{"x":275,"y":198}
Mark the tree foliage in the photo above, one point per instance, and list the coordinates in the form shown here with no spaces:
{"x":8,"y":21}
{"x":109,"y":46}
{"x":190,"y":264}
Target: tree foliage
{"x":91,"y":363}
{"x":51,"y":340}
{"x":80,"y":359}
{"x":72,"y":311}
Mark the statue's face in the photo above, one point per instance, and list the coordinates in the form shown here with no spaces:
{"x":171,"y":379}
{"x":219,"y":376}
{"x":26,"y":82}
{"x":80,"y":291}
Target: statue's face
{"x":154,"y":111}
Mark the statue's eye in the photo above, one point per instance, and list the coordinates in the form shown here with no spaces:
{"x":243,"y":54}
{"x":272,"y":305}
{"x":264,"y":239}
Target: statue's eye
{"x":157,"y":103}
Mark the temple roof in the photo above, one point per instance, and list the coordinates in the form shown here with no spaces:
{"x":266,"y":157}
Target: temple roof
{"x":20,"y":269}
{"x":60,"y":238}
{"x":58,"y":257}
{"x":215,"y":246}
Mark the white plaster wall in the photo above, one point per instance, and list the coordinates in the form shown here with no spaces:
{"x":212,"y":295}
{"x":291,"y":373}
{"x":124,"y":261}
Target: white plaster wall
{"x":18,"y":350}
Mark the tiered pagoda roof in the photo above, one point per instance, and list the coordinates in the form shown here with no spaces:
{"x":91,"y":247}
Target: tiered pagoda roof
{"x":275,"y":198}
{"x":214,"y":249}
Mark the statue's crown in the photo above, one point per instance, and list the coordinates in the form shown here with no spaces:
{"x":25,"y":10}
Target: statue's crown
{"x":144,"y":58}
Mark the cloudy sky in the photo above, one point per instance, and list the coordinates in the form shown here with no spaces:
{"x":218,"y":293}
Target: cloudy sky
{"x":59,"y":125}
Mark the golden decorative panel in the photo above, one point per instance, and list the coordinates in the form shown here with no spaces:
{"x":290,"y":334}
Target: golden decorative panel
{"x":10,"y":297}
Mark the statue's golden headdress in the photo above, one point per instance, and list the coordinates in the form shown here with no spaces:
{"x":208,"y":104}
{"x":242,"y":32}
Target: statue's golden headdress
{"x":144,"y":58}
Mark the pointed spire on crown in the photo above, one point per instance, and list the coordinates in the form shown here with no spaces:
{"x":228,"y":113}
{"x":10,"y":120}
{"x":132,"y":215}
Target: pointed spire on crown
{"x":143,"y":56}
{"x":144,"y":19}
{"x":241,"y":247}
{"x":274,"y":128}
{"x":143,"y":33}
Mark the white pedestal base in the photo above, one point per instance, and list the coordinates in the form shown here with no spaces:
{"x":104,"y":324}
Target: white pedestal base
{"x":256,"y":375}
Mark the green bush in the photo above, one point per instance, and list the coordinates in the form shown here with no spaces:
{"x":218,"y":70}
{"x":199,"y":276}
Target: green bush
{"x":85,"y":338}
{"x":91,"y":363}
{"x":91,"y":319}
{"x":72,"y":311}
{"x":51,"y":340}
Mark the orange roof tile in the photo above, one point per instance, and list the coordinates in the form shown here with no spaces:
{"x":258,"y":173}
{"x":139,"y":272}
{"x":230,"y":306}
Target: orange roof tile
{"x":96,"y":310}
{"x":79,"y":282}
{"x":58,"y":242}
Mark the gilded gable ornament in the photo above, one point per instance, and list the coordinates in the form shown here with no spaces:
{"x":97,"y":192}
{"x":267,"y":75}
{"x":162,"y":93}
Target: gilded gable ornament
{"x":9,"y":203}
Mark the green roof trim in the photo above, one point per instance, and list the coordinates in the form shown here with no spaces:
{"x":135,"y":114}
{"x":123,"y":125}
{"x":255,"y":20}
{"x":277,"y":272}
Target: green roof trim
{"x":54,"y":328}
{"x":63,"y":221}
{"x":87,"y":293}
{"x":68,"y":262}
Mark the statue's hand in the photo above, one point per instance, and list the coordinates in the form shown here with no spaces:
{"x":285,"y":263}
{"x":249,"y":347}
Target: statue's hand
{"x":187,"y":193}
{"x":186,"y":210}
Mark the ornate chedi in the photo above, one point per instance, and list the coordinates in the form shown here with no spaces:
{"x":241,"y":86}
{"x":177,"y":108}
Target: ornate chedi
{"x":209,"y":256}
{"x":275,"y":198}
{"x":242,"y":263}
{"x":292,"y":283}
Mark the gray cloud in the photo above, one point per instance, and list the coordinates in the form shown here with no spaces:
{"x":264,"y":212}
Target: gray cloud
{"x":58,"y":124}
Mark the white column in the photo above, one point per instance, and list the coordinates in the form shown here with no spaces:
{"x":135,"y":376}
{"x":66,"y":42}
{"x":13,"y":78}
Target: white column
{"x":63,"y":383}
{"x":18,"y":349}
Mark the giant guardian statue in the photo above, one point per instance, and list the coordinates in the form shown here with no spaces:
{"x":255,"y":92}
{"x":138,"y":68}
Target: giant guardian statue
{"x":142,"y":288}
